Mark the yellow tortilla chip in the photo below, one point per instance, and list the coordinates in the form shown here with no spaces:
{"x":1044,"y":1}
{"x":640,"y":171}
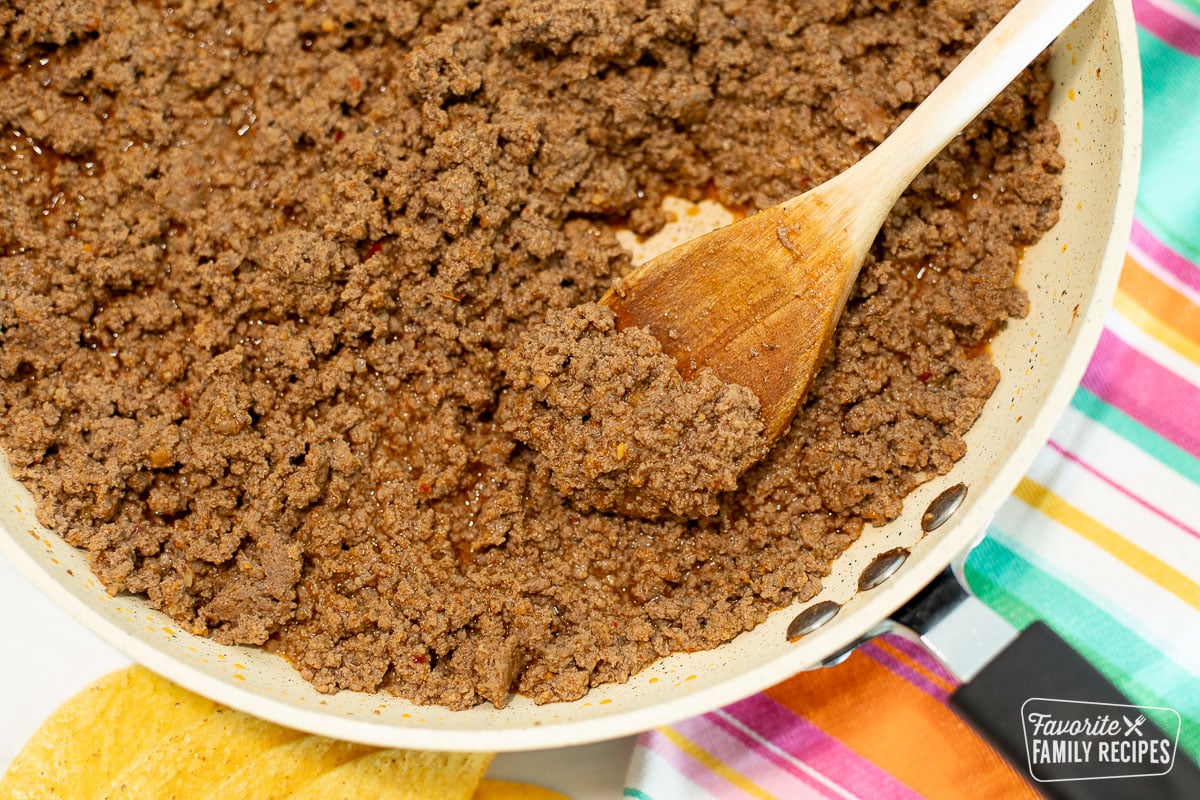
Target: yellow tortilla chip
{"x":135,"y":736}
{"x":97,"y":733}
{"x":189,"y":760}
{"x":400,"y":775}
{"x":278,"y":772}
{"x":492,"y":789}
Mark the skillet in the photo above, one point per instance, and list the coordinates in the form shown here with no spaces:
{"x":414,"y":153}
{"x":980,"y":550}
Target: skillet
{"x":1070,"y":276}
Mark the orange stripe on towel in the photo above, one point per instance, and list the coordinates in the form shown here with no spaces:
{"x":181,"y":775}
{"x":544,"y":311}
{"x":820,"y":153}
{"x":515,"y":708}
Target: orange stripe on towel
{"x":906,"y":732}
{"x":1171,"y":307}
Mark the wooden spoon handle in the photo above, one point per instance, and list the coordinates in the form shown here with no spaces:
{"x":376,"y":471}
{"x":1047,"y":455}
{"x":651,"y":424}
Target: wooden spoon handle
{"x":882,"y":176}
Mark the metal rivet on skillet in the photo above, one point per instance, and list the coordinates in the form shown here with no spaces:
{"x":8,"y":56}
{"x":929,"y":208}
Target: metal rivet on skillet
{"x":812,"y":618}
{"x":882,"y":567}
{"x":943,"y":507}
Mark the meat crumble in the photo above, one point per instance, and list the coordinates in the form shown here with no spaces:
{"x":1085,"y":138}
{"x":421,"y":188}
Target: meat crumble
{"x":616,"y":427}
{"x":261,"y":264}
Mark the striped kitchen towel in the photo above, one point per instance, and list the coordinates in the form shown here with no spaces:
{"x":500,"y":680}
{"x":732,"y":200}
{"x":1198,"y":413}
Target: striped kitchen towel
{"x":1101,"y":538}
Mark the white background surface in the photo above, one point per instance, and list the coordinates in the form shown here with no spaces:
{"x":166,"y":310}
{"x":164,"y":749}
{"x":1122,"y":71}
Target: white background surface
{"x":46,"y":657}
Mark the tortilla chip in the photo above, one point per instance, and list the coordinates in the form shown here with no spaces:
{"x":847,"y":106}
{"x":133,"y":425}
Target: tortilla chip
{"x":276,"y":773}
{"x":401,"y":775}
{"x":186,"y":762}
{"x":492,"y":789}
{"x":97,"y":733}
{"x":135,"y":736}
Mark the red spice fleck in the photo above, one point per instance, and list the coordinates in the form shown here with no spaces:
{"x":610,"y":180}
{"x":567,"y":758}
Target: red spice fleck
{"x":418,"y":659}
{"x":425,"y":488}
{"x":339,"y":135}
{"x":355,"y":83}
{"x":374,"y":249}
{"x":925,"y":376}
{"x":184,"y":400}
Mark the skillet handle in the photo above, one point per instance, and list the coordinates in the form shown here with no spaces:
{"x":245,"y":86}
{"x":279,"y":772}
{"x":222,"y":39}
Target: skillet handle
{"x":1038,"y":664}
{"x":1010,"y":679}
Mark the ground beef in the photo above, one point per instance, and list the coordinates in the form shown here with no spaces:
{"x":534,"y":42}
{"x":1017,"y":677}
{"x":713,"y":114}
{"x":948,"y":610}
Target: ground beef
{"x":614,"y":425}
{"x":259,"y":262}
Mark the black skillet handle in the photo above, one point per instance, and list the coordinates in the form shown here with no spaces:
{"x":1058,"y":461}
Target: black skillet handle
{"x":1040,"y":680}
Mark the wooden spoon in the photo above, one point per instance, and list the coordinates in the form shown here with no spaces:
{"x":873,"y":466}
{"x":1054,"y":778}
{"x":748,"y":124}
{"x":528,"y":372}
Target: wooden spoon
{"x":757,"y":301}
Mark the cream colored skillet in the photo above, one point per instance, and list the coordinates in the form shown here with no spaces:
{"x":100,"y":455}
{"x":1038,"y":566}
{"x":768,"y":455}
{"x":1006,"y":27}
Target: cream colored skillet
{"x":1070,"y":277}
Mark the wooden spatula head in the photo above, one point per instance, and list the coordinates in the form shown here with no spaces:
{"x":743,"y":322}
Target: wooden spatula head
{"x":756,"y":302}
